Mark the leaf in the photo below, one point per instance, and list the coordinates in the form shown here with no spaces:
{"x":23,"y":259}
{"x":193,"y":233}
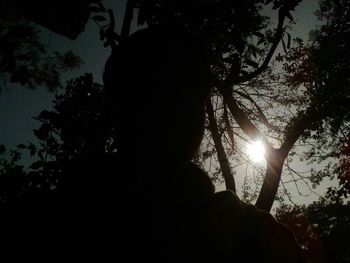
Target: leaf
{"x":260,"y":41}
{"x":288,"y":40}
{"x":36,"y":165}
{"x":239,"y":44}
{"x":254,"y":53}
{"x":259,"y":34}
{"x":252,"y":63}
{"x":289,"y":16}
{"x":43,"y":132}
{"x":244,"y":73}
{"x":21,"y":146}
{"x":284,"y":46}
{"x":40,"y":154}
{"x":47,"y":115}
{"x":32,"y":149}
{"x":2,"y":148}
{"x":16,"y":155}
{"x":95,"y":9}
{"x":99,"y":18}
{"x":277,"y":5}
{"x":102,"y":34}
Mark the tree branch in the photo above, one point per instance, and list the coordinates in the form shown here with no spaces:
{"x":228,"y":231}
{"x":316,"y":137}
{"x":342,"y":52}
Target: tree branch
{"x":278,"y":36}
{"x":261,"y":115}
{"x":224,"y":163}
{"x":302,"y":122}
{"x":229,"y":128}
{"x":242,"y":120}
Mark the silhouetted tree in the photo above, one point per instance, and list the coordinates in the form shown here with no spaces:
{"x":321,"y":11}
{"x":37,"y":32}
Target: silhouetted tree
{"x":234,"y":51}
{"x":77,"y":132}
{"x":171,"y":205}
{"x":74,"y":130}
{"x":322,"y":229}
{"x":23,"y":56}
{"x":324,"y":99}
{"x":329,"y":94}
{"x":318,"y":75}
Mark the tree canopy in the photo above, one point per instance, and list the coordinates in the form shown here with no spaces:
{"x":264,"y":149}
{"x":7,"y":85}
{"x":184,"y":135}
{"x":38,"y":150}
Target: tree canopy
{"x":298,"y":96}
{"x":245,"y":83}
{"x":23,"y":56}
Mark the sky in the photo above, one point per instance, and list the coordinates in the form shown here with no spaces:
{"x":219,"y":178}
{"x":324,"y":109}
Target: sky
{"x":18,"y":104}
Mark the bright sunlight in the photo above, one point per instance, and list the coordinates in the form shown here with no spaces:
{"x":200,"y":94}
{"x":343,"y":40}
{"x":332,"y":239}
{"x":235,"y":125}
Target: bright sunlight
{"x":256,"y":151}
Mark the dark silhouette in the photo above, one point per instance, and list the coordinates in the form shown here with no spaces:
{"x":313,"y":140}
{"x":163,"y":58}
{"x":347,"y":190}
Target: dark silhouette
{"x":156,"y":206}
{"x":323,"y":229}
{"x":157,"y":85}
{"x":149,"y":202}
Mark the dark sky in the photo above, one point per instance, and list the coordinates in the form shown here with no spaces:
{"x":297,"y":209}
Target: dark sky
{"x":18,"y":105}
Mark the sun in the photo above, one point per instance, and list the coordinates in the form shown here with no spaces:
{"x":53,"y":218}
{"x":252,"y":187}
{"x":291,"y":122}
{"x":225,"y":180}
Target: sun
{"x":256,"y":151}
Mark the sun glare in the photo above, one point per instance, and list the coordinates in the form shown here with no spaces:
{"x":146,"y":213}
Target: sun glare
{"x":256,"y":151}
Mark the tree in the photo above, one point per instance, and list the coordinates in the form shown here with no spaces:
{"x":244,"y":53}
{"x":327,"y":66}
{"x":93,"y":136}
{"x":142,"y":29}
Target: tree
{"x":322,"y":229}
{"x":237,"y":75}
{"x":319,"y":72}
{"x":330,"y":93}
{"x":24,"y":58}
{"x":75,"y":130}
{"x":305,"y":68}
{"x":236,"y":51}
{"x":244,"y":88}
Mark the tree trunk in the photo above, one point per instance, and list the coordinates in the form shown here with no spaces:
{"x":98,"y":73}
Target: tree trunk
{"x":224,"y":163}
{"x":267,"y":195}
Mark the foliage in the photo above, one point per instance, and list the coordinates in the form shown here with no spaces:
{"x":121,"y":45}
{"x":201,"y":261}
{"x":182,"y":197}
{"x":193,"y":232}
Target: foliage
{"x":242,"y":52}
{"x":244,"y":33}
{"x":12,"y":176}
{"x":322,"y":228}
{"x":24,"y":59}
{"x":208,"y":18}
{"x":241,"y":49}
{"x":73,"y":130}
{"x":76,"y":121}
{"x":324,"y":73}
{"x":315,"y":79}
{"x":306,"y":102}
{"x":341,"y":169}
